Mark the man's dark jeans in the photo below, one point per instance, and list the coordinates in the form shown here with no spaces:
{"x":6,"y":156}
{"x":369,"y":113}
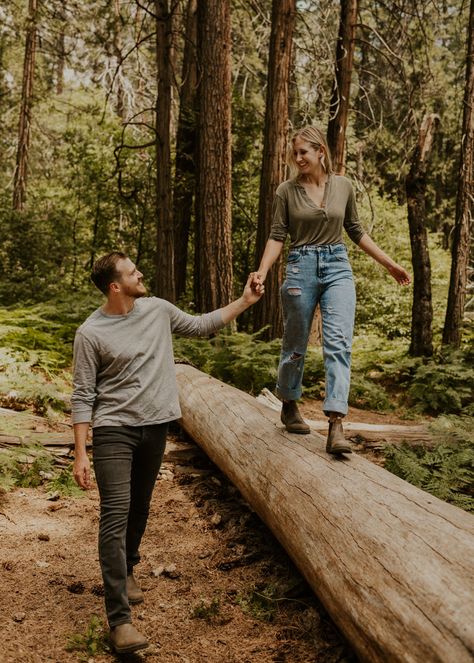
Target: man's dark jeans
{"x":127,"y":460}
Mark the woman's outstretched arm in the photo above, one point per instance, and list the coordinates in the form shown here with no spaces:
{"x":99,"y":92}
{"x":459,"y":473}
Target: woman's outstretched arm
{"x":273,"y":248}
{"x":398,"y":272}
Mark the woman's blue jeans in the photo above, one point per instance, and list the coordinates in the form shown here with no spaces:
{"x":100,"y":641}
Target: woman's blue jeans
{"x":127,"y":460}
{"x":318,"y":274}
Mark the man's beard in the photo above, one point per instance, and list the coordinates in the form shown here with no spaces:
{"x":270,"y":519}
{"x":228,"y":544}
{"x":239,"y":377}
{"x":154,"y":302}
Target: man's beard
{"x":136,"y":292}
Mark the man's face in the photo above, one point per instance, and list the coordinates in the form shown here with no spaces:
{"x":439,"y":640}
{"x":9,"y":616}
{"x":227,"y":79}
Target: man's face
{"x":130,"y":280}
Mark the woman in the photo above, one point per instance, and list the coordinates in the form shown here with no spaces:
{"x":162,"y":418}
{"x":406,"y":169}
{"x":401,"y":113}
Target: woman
{"x":314,"y":207}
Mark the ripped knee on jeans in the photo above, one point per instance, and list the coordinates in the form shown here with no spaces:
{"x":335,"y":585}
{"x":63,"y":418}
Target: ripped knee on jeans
{"x":295,"y":292}
{"x":295,"y":356}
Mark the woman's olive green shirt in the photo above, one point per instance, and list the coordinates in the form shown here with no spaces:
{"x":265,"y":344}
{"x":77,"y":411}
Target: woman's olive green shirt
{"x":294,"y":213}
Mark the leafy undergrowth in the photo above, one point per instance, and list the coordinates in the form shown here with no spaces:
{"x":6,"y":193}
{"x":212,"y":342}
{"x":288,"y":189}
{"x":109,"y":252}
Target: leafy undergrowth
{"x":447,"y":470}
{"x":383,"y":375}
{"x":31,"y":466}
{"x":92,"y":642}
{"x":37,"y":352}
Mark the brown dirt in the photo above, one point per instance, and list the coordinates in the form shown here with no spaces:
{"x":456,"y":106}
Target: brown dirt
{"x":51,"y":584}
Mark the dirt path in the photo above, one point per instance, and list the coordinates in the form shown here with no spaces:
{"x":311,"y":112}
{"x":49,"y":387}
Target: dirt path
{"x":208,"y":604}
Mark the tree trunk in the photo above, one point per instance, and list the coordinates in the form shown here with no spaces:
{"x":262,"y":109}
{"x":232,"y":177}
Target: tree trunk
{"x":24,"y":125}
{"x":422,"y":308}
{"x":339,"y":105}
{"x":61,"y":48}
{"x":117,"y":51}
{"x":392,"y":564}
{"x":164,"y":276}
{"x":339,"y":112}
{"x":462,"y":227}
{"x":213,"y":283}
{"x":184,"y":182}
{"x":268,"y":311}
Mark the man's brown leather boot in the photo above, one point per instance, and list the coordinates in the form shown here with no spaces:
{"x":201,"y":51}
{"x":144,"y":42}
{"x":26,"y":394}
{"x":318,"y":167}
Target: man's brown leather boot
{"x":125,"y":639}
{"x":291,"y":417}
{"x":336,"y":442}
{"x":134,"y":593}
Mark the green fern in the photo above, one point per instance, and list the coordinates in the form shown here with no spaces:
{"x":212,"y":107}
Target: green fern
{"x":405,"y":463}
{"x":31,"y":466}
{"x":64,"y":484}
{"x":447,"y":471}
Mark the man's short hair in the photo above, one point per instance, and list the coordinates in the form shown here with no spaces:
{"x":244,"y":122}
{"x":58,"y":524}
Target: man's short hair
{"x":104,"y":271}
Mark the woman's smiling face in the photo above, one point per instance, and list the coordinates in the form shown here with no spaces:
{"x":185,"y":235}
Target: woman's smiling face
{"x":307,"y":158}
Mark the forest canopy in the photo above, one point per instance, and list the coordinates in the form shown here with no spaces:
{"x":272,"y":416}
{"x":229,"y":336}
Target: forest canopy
{"x":144,"y":126}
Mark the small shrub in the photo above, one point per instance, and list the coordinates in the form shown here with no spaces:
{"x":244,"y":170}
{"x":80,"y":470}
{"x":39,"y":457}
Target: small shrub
{"x":94,"y":641}
{"x":260,"y":605}
{"x":64,"y":484}
{"x":7,"y":470}
{"x":206,"y":610}
{"x":32,"y":475}
{"x":23,"y":384}
{"x":366,"y":394}
{"x":443,"y":387}
{"x":26,"y":466}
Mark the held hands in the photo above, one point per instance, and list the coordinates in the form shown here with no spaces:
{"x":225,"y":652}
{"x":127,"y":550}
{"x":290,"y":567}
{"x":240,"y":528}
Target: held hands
{"x":82,"y":472}
{"x":399,"y":274}
{"x":254,"y":289}
{"x":258,"y":279}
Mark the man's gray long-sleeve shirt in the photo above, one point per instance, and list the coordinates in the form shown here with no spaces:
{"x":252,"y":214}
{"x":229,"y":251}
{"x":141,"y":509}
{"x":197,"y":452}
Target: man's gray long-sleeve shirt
{"x":124,"y":367}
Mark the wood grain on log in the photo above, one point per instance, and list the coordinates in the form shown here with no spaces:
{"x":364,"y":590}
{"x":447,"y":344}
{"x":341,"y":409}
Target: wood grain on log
{"x":393,"y":565}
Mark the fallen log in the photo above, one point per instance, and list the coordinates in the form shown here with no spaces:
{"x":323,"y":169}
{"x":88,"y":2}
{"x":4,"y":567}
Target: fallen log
{"x":52,"y":439}
{"x":393,"y":565}
{"x":61,"y":444}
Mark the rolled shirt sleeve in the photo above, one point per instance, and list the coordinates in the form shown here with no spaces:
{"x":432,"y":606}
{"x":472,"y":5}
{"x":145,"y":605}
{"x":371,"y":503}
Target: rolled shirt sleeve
{"x":352,"y":224}
{"x":279,"y":227}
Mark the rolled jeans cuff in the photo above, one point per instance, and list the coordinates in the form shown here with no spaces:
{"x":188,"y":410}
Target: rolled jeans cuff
{"x":335,"y":405}
{"x":289,"y":394}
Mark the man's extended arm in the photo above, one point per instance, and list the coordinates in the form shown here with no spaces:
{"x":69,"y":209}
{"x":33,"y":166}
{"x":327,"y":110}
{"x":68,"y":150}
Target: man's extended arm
{"x":208,"y":323}
{"x":249,"y":296}
{"x":82,"y":466}
{"x":83,"y":397}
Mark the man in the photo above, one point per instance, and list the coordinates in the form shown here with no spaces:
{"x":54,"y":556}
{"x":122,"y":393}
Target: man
{"x":125,"y":385}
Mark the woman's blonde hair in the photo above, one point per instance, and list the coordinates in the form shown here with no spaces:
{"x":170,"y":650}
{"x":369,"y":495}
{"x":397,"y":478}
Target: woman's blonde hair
{"x":317,"y":140}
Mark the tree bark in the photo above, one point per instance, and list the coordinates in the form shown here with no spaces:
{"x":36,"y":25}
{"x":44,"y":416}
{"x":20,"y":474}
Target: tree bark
{"x":164,"y":276}
{"x":422,"y":308}
{"x":392,"y":564}
{"x":61,"y":49}
{"x":117,"y":51}
{"x":213,"y":282}
{"x":268,"y":311}
{"x":184,"y":181}
{"x":464,"y":201}
{"x":339,"y":105}
{"x":24,"y":125}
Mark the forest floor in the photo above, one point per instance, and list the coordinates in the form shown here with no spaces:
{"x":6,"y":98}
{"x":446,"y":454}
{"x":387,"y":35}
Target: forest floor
{"x":218,"y":587}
